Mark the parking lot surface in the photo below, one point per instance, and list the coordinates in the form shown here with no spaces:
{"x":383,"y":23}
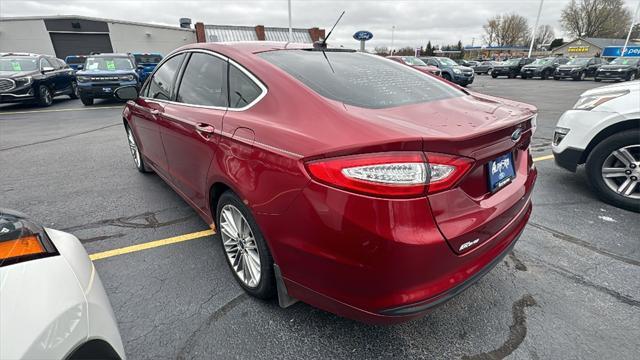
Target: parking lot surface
{"x":569,"y":290}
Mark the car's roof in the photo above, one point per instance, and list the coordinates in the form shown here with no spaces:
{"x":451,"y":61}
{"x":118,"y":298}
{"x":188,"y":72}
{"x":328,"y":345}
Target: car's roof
{"x":250,"y":47}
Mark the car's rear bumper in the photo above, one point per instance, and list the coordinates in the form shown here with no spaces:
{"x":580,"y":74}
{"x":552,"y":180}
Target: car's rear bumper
{"x":378,"y":260}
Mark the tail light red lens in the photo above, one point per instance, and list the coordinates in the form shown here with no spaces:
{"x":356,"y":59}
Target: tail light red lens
{"x":393,"y":174}
{"x":446,"y":170}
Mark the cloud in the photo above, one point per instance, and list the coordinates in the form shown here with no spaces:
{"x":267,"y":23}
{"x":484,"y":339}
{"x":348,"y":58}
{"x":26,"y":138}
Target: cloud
{"x":416,"y":22}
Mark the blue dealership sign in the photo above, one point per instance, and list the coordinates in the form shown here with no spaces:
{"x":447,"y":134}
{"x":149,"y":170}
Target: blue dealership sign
{"x":363,"y":35}
{"x":615,"y":51}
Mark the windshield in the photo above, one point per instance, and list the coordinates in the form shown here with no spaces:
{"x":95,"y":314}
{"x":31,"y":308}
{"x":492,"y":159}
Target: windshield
{"x":108,"y":63}
{"x":75,"y":59}
{"x":624,"y":61}
{"x":512,"y":62}
{"x":447,"y":61}
{"x":147,"y":59}
{"x":578,"y":61}
{"x":412,"y":60}
{"x":359,"y":79}
{"x":538,"y":62}
{"x":18,"y":64}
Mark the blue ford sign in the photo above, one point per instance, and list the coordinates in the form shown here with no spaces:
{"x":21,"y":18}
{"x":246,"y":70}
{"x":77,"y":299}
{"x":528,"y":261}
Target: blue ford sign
{"x":363,"y":35}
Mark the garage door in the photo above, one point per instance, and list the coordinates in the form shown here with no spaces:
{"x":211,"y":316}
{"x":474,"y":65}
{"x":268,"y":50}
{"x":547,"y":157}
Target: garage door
{"x":66,"y":44}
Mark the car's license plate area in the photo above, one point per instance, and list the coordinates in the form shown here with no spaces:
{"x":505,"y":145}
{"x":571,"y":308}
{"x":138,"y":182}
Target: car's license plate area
{"x":500,"y":172}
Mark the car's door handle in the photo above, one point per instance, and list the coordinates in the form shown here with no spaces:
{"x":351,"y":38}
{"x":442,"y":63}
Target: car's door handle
{"x":205,"y":130}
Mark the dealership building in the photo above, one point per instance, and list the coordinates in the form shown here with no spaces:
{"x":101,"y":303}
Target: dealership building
{"x":589,"y":47}
{"x":81,"y":35}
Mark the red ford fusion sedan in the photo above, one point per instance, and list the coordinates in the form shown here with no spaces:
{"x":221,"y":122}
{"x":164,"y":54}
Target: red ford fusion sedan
{"x":345,"y":180}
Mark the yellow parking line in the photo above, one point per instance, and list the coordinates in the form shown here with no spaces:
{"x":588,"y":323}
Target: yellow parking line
{"x":150,"y":245}
{"x":59,"y":110}
{"x":541,"y":158}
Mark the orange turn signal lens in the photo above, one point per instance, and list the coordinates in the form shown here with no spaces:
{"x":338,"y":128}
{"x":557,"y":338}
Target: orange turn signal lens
{"x":28,"y":245}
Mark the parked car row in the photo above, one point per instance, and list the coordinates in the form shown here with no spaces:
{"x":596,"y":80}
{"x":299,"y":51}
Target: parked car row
{"x":558,"y":68}
{"x":439,"y":66}
{"x":38,"y":79}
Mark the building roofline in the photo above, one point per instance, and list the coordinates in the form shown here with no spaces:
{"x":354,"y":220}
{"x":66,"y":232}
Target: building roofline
{"x":55,"y":17}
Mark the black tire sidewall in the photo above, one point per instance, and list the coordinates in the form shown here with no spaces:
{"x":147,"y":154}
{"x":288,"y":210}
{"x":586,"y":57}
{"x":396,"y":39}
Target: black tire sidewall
{"x":594,"y":168}
{"x":74,"y":90}
{"x":266,"y":287}
{"x":41,"y":98}
{"x":86,"y":100}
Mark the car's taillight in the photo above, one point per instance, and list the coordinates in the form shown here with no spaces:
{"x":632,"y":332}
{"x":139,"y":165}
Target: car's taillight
{"x":393,"y":174}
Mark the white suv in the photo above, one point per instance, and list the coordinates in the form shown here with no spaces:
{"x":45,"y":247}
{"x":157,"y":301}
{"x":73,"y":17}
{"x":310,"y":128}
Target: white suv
{"x":603,"y":132}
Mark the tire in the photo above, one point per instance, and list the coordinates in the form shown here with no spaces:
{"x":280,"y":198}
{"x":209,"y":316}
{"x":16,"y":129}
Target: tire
{"x":582,"y":76}
{"x":523,"y":77}
{"x":556,"y":78}
{"x":136,"y":154}
{"x":494,"y":75}
{"x":45,"y":97}
{"x":74,"y":90}
{"x":630,"y":77}
{"x":603,"y":156}
{"x":86,"y":100}
{"x":446,"y":76}
{"x":545,"y":75}
{"x":512,"y":75}
{"x":236,"y":251}
{"x":597,"y":80}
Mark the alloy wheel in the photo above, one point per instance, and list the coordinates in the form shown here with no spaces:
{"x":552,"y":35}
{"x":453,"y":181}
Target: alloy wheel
{"x":45,"y":93}
{"x":240,"y":245}
{"x":621,"y":171}
{"x":133,"y":147}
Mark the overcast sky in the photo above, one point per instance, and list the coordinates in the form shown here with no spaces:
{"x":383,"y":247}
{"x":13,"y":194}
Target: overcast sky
{"x":416,"y":22}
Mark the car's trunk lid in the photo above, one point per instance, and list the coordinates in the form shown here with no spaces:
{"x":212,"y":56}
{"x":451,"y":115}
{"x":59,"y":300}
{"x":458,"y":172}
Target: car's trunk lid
{"x":478,"y":127}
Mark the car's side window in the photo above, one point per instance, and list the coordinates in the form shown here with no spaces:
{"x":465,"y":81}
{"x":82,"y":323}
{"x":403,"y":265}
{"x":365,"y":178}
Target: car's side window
{"x":204,"y":81}
{"x":45,"y":63}
{"x":161,"y":85}
{"x":242,"y":90}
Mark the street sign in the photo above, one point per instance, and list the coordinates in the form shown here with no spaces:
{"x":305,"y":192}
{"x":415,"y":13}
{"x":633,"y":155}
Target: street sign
{"x":363,"y":35}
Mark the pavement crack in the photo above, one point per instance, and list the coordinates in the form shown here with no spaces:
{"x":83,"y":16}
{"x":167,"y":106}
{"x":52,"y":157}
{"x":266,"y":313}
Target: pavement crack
{"x":59,"y":138}
{"x":574,"y":240}
{"x":517,"y":332}
{"x":100,"y":238}
{"x":147,"y":220}
{"x":580,"y":280}
{"x":215,"y":316}
{"x":520,"y":266}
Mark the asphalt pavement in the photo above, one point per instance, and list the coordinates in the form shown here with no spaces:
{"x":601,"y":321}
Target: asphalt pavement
{"x":569,"y":290}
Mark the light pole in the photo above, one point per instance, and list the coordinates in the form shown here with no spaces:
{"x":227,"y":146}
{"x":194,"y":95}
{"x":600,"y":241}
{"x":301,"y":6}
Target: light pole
{"x":535,"y":28}
{"x":393,"y":29}
{"x":633,"y":22}
{"x":290,"y":29}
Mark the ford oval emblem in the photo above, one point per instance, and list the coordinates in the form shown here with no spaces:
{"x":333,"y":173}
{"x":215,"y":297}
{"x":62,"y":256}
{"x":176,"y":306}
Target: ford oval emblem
{"x":363,"y":35}
{"x":517,"y":134}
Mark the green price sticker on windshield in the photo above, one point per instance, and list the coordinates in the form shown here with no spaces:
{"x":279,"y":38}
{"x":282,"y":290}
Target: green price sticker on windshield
{"x":16,"y":66}
{"x":110,"y":65}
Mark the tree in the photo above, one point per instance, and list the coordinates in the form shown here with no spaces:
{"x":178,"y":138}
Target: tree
{"x":508,"y":30}
{"x":544,"y":35}
{"x":382,"y":51}
{"x":491,"y":31}
{"x":429,"y":49}
{"x":596,"y":18}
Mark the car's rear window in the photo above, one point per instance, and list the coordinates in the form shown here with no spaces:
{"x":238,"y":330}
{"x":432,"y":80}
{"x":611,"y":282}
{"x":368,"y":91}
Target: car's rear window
{"x":361,"y":80}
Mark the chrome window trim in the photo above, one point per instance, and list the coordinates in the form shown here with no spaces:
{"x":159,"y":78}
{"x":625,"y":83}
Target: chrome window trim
{"x":231,"y":62}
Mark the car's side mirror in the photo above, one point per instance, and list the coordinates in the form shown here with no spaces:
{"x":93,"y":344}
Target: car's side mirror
{"x":47,"y":69}
{"x":126,"y":93}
